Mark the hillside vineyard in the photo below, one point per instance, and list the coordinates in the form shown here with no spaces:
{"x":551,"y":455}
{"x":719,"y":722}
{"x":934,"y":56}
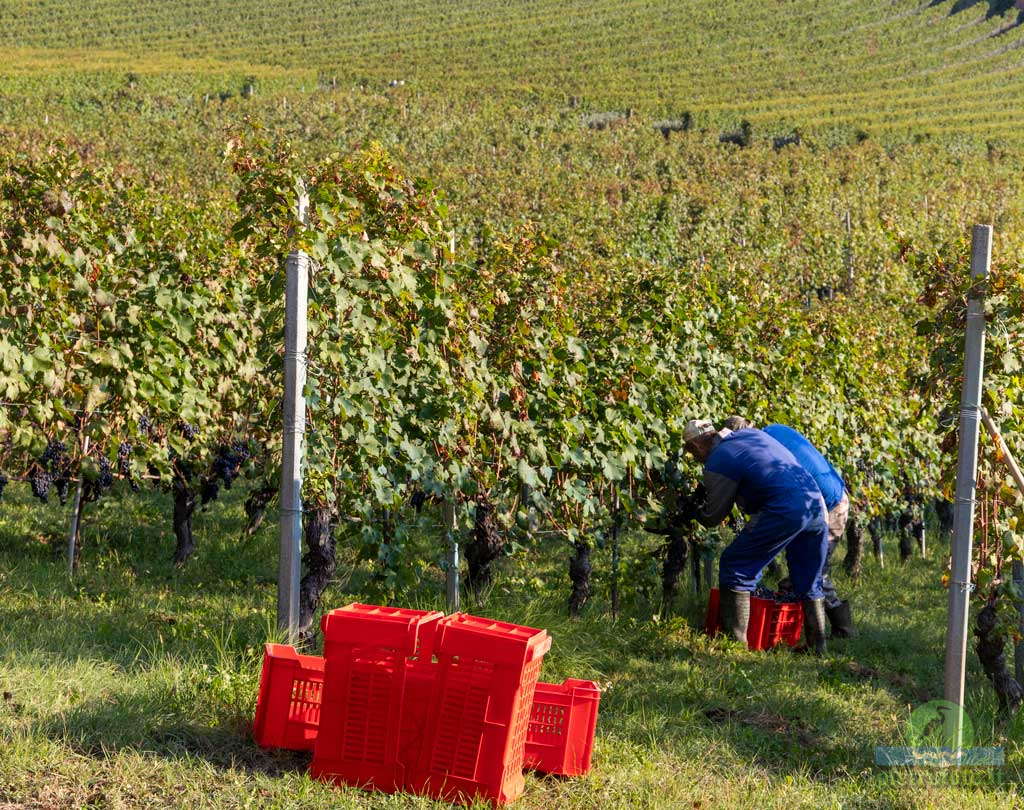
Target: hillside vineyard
{"x":883,"y":66}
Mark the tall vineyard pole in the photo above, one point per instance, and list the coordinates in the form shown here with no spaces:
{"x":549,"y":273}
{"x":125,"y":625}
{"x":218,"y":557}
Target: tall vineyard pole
{"x":295,"y":331}
{"x":967,"y":468}
{"x":452,"y":573}
{"x":76,"y":516}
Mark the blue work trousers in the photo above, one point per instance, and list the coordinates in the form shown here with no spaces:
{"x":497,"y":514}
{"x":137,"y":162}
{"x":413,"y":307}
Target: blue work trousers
{"x":802,"y":531}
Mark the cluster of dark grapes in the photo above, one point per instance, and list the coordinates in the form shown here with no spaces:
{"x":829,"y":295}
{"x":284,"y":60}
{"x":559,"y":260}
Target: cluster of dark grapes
{"x":52,"y":468}
{"x":229,"y":460}
{"x":106,"y":476}
{"x":227,"y":463}
{"x":124,"y":465}
{"x":146,"y":426}
{"x":188,"y":431}
{"x":209,"y":489}
{"x":40,"y":481}
{"x":257,"y":502}
{"x":92,"y":489}
{"x":764,"y":592}
{"x":124,"y":454}
{"x":419,"y":497}
{"x":184,"y":466}
{"x":53,"y":453}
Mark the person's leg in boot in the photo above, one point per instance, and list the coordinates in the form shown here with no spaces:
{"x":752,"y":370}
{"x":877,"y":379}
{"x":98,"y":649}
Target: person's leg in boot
{"x":806,"y":555}
{"x":837,"y":519}
{"x":841,"y":620}
{"x":739,"y":571}
{"x":828,"y":587}
{"x":735,"y":612}
{"x":814,"y":626}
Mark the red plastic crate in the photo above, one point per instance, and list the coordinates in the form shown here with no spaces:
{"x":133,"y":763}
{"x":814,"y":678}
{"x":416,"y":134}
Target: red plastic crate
{"x":477,"y":726}
{"x":786,"y":624}
{"x":288,"y":706}
{"x":294,"y":712}
{"x":445,"y":711}
{"x":420,"y":683}
{"x":560,"y":739}
{"x":369,"y":654}
{"x":375,"y":626}
{"x":771,"y":622}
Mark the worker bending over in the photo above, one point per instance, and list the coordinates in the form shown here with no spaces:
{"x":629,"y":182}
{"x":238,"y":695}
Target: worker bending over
{"x":837,"y":501}
{"x":752,"y":470}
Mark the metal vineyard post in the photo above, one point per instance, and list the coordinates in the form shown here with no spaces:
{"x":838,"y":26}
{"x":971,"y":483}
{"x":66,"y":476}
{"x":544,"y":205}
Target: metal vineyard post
{"x":295,"y":329}
{"x":966,"y":474}
{"x":452,"y":575}
{"x":76,"y":516}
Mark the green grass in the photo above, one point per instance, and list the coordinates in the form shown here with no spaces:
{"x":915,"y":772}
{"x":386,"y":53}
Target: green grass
{"x":134,"y":685}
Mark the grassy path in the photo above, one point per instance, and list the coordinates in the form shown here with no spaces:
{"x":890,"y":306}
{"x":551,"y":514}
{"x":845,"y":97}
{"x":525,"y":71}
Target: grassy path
{"x":133,"y":687}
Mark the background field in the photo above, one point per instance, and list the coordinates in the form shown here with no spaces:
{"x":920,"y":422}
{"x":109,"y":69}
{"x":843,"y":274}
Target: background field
{"x":897,"y":67}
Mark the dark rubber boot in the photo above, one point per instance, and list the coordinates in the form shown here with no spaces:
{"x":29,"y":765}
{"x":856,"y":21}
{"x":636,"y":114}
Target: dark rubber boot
{"x":814,"y":626}
{"x":735,"y":606}
{"x":841,"y":620}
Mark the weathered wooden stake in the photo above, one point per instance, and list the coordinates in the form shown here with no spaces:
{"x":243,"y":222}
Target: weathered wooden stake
{"x":848,"y":252}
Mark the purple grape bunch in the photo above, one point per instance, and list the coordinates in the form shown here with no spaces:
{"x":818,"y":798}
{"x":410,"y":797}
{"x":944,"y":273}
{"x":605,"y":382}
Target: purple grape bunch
{"x":209,"y":489}
{"x":103,"y":481}
{"x":53,"y":453}
{"x":106,"y":476}
{"x":52,"y":469}
{"x":764,"y":592}
{"x":40,"y":481}
{"x":124,"y":454}
{"x":124,"y":464}
{"x":227,"y":463}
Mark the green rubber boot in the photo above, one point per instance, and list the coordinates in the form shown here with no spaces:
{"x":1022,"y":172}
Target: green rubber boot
{"x":814,"y":626}
{"x":735,"y":606}
{"x":841,"y":620}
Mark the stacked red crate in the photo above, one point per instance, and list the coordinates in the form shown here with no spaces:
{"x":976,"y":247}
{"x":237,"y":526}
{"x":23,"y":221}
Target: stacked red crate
{"x":476,"y":732}
{"x":369,"y":653}
{"x":446,"y":707}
